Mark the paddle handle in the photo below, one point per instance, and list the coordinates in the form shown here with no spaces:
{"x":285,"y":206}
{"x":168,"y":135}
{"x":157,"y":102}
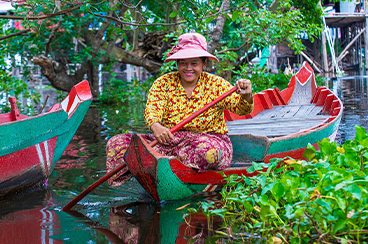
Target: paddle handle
{"x":198,"y":112}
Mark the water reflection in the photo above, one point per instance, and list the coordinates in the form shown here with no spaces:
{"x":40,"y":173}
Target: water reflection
{"x":353,"y":92}
{"x":29,"y":218}
{"x":125,"y":214}
{"x":35,"y":217}
{"x":143,"y":223}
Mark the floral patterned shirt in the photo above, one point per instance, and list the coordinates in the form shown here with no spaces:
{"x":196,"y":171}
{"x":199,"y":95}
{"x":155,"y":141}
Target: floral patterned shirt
{"x":169,"y":104}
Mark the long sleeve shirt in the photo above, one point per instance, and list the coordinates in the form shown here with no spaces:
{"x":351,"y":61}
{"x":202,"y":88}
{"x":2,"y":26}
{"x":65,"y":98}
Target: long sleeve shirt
{"x":169,"y":104}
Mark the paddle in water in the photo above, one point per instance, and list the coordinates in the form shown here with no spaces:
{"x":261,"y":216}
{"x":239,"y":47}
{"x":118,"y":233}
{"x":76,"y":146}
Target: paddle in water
{"x":124,"y":167}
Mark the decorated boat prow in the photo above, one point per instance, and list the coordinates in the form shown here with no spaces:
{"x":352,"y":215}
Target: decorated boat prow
{"x":30,"y":147}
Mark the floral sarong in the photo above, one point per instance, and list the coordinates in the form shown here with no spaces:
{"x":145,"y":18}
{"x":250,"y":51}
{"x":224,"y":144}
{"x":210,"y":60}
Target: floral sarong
{"x":205,"y":151}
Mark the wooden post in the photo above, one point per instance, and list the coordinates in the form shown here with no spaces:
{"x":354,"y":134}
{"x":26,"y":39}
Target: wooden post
{"x":360,"y":55}
{"x":273,"y":59}
{"x":324,"y":53}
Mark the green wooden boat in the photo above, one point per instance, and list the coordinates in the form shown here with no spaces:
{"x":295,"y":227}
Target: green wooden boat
{"x":281,"y":124}
{"x":30,"y":147}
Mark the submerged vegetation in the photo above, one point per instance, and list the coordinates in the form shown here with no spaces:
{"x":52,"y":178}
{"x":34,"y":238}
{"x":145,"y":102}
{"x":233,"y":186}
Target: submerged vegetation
{"x":323,"y":199}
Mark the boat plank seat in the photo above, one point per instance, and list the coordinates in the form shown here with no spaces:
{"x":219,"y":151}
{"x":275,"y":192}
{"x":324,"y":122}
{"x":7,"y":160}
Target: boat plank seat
{"x":280,"y":121}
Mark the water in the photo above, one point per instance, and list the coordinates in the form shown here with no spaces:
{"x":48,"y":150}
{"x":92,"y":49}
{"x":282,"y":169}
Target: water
{"x":125,"y":214}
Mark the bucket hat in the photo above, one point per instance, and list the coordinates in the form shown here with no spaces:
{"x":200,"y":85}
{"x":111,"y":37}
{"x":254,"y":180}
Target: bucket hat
{"x":190,"y":45}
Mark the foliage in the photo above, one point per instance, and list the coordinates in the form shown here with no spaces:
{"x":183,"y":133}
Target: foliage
{"x":90,"y":33}
{"x":261,"y":79}
{"x":10,"y":86}
{"x":324,"y":199}
{"x":118,"y":91}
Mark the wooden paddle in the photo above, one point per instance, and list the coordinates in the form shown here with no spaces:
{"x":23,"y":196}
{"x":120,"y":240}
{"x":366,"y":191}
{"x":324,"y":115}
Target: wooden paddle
{"x":124,"y":167}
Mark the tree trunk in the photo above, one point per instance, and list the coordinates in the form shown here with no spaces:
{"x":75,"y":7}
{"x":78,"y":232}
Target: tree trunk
{"x":93,"y":80}
{"x":218,"y":30}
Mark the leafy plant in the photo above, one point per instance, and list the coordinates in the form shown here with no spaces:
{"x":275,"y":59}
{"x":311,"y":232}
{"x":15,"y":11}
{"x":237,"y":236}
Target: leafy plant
{"x":11,"y":86}
{"x":262,"y":79}
{"x":323,"y":199}
{"x":119,"y":91}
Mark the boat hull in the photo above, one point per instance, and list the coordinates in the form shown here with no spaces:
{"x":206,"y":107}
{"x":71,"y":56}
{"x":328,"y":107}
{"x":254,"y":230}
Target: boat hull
{"x":166,"y":178}
{"x":34,"y":145}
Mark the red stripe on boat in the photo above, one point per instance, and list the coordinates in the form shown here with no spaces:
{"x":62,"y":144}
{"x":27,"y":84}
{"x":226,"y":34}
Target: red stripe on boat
{"x":23,"y":160}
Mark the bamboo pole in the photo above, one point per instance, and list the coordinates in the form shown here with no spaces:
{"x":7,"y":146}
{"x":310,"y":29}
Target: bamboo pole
{"x":350,"y":44}
{"x":324,"y":53}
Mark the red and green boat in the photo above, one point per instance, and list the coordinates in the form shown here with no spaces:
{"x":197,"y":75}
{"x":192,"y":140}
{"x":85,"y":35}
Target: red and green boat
{"x":282,"y":124}
{"x":30,"y":147}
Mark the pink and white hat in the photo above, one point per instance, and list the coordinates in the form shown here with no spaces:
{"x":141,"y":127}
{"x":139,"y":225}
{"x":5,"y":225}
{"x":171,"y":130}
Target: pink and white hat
{"x":191,"y":45}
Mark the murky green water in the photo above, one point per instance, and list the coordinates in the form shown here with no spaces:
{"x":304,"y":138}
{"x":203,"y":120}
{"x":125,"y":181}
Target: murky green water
{"x":125,"y":214}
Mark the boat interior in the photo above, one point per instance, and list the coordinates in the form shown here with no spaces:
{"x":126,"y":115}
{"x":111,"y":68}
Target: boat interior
{"x":300,"y":107}
{"x":280,"y":121}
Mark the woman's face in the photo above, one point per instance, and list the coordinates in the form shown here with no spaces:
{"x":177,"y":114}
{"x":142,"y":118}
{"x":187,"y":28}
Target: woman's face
{"x":190,"y":69}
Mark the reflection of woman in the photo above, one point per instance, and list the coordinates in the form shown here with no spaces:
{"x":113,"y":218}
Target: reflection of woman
{"x":203,"y":143}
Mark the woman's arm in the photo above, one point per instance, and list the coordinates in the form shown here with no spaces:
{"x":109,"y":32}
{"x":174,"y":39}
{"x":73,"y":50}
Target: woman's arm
{"x":245,"y":89}
{"x":240,"y":103}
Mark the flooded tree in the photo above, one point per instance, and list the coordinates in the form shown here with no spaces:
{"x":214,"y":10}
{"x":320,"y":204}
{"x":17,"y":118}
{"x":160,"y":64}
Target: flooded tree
{"x":70,"y":39}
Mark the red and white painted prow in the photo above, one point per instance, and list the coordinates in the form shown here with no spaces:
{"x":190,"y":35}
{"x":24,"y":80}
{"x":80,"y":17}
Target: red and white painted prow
{"x":79,"y":93}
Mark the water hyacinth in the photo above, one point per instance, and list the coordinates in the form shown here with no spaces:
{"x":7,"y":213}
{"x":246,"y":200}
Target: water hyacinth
{"x":322,"y":199}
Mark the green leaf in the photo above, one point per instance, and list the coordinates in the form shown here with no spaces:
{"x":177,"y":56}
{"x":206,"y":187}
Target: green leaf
{"x":174,"y":14}
{"x":338,"y":225}
{"x":309,"y":152}
{"x":220,"y":212}
{"x":208,"y":20}
{"x":354,"y":190}
{"x":361,"y":133}
{"x":299,"y":212}
{"x":265,"y":211}
{"x":262,"y":180}
{"x":324,"y":204}
{"x":264,"y":200}
{"x":267,"y":188}
{"x":278,"y":190}
{"x":247,"y":206}
{"x":235,"y":15}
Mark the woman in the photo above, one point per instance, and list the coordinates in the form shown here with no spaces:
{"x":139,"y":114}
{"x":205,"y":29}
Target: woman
{"x":203,"y":143}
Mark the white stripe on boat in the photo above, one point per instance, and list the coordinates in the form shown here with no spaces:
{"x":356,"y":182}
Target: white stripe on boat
{"x":213,"y":188}
{"x":40,"y":156}
{"x":64,"y":103}
{"x":75,"y":103}
{"x":47,"y":155}
{"x":207,"y":187}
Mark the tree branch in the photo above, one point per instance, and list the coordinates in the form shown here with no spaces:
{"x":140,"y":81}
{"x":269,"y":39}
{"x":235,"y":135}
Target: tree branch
{"x":218,"y":30}
{"x":232,"y":49}
{"x":124,"y":56}
{"x":135,"y":24}
{"x":52,"y":35}
{"x":133,"y":7}
{"x":15,"y":34}
{"x":46,"y":16}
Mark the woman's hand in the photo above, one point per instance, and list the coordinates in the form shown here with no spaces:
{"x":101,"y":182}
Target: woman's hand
{"x":244,"y":88}
{"x":161,"y":133}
